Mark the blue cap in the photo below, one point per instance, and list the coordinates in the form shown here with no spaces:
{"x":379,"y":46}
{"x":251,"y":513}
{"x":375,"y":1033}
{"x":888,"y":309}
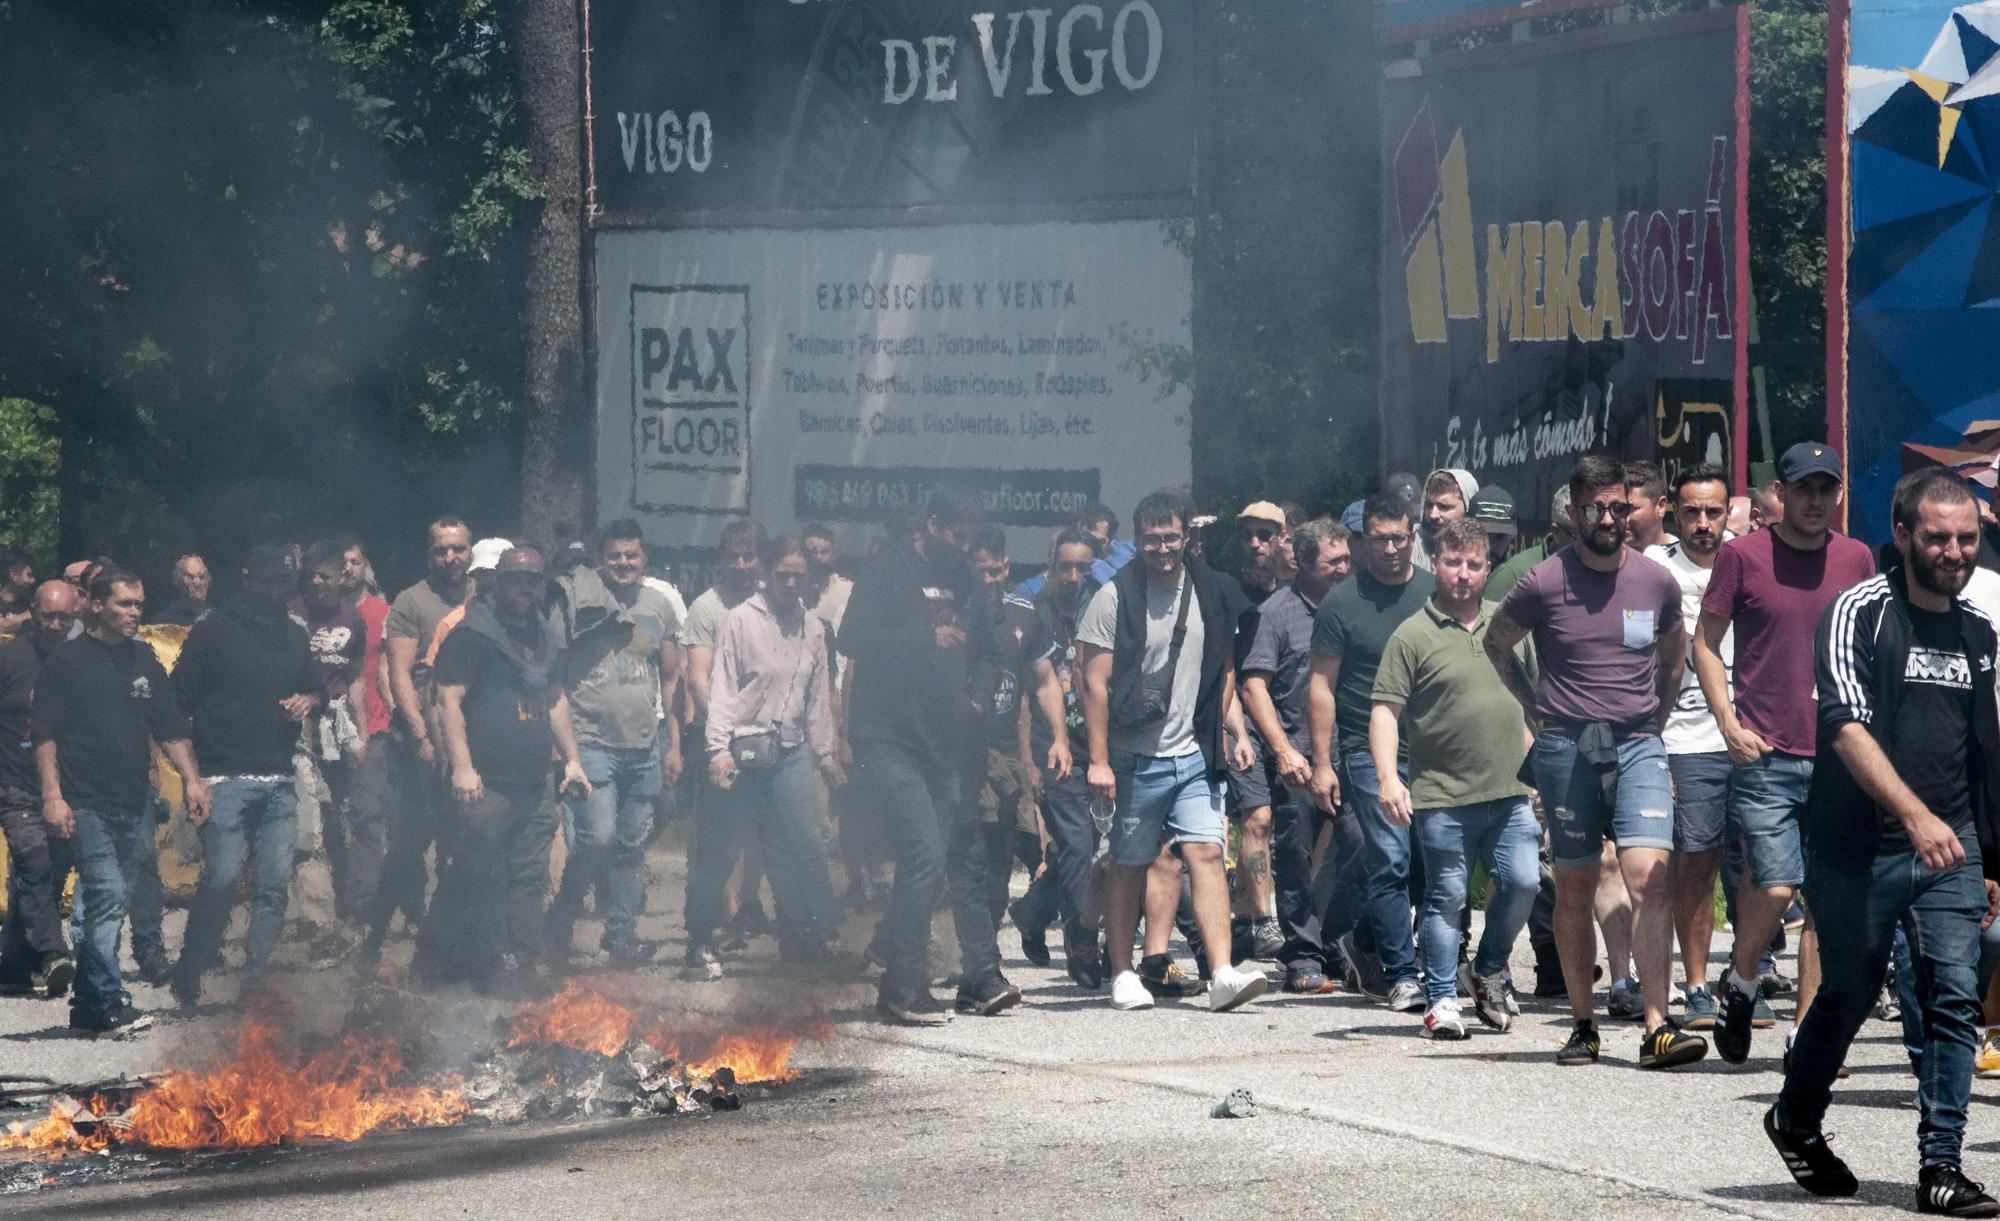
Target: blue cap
{"x":1809,"y":458}
{"x":1351,"y":516}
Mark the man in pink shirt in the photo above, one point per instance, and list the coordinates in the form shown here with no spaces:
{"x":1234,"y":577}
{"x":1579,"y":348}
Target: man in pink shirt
{"x":1772,"y":587}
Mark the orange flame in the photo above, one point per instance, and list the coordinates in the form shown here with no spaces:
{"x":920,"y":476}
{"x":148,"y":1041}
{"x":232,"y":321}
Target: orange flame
{"x":588,"y":1020}
{"x":578,"y":1017}
{"x":262,"y":1095}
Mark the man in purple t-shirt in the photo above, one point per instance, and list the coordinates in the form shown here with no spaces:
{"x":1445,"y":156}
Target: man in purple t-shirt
{"x":1610,"y":640}
{"x":1772,"y":586}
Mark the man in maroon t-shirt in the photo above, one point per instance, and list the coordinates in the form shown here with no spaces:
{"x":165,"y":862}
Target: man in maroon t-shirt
{"x":1771,"y":587}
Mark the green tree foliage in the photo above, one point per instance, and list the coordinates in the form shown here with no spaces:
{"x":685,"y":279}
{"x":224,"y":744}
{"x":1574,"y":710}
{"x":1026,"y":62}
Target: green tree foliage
{"x":257,"y":263}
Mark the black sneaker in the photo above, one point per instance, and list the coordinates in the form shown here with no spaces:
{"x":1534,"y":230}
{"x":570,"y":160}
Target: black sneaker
{"x":1085,"y":962}
{"x":1814,"y":1166}
{"x":54,"y":978}
{"x":1165,"y":979}
{"x":1582,"y":1046}
{"x":918,"y":1009}
{"x":633,"y":953}
{"x":186,"y":988}
{"x":988,"y":997}
{"x":19,"y":985}
{"x":1945,"y":1191}
{"x":1549,"y":982}
{"x":1669,"y":1046}
{"x":1734,"y":1014}
{"x":155,"y":967}
{"x":121,"y":1023}
{"x":1034,"y":941}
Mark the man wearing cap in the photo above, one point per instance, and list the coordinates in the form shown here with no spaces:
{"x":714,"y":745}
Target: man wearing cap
{"x":412,"y":625}
{"x":1447,"y":495}
{"x":502,"y":712}
{"x":1561,"y":534}
{"x":247,"y":681}
{"x":1772,"y":586}
{"x":1264,"y":533}
{"x":1493,"y":509}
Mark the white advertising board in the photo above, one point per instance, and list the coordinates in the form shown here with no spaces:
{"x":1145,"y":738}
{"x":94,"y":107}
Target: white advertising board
{"x":837,"y":375}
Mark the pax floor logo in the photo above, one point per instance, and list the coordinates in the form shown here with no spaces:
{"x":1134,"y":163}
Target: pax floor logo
{"x":691,"y":398}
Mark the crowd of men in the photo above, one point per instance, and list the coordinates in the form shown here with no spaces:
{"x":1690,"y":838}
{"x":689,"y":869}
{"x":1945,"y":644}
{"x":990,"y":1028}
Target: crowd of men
{"x":1308,"y":759}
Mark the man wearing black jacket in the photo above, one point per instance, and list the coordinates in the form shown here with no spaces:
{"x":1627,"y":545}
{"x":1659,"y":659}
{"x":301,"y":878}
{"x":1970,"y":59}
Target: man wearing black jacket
{"x":1903,"y":829}
{"x":34,"y":961}
{"x":247,"y":680}
{"x":1158,"y":652}
{"x":912,"y":628}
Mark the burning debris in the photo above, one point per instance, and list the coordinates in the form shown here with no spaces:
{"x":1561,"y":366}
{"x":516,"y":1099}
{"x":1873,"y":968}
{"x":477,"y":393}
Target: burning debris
{"x":579,"y":1054}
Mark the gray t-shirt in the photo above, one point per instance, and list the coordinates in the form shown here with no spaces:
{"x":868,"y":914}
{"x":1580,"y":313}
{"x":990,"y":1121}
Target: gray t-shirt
{"x":1172,"y":736}
{"x":704,"y":620}
{"x":612,"y":674}
{"x":1282,"y":650}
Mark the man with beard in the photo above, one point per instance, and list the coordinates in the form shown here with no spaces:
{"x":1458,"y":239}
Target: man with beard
{"x":101,"y":703}
{"x":1276,"y":669}
{"x":34,"y":960}
{"x":719,"y":844}
{"x":411,"y":625}
{"x":1560,"y":535}
{"x":370,"y":797}
{"x":1448,"y":495}
{"x":335,"y":739}
{"x":1697,"y":755}
{"x":247,"y":681}
{"x":1066,"y":886}
{"x":621,"y":662}
{"x":1611,"y":645}
{"x":1350,"y":629}
{"x":191,"y":586}
{"x":1905,"y":827}
{"x":912,"y":630}
{"x":502,"y":712}
{"x":1264,"y":540}
{"x":1772,"y":587}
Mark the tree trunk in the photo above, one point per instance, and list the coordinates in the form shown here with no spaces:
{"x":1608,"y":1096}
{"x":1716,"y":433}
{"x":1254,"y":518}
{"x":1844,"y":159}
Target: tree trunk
{"x":556,"y":447}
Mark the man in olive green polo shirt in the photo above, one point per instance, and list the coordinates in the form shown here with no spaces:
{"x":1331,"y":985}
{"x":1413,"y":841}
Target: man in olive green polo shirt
{"x":1467,"y":740}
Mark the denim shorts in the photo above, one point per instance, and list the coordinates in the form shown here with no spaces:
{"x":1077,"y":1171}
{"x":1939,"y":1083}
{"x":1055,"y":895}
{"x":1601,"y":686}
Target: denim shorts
{"x":1579,"y":818}
{"x":1765,"y":799}
{"x":1160,"y":798}
{"x":1701,"y":799}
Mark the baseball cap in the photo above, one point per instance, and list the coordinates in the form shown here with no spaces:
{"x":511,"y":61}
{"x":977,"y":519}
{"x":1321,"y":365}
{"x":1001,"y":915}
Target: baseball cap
{"x":1263,"y":510}
{"x":521,"y":559}
{"x":1809,"y":458}
{"x":270,"y":560}
{"x":1493,"y":508}
{"x":487,"y":552}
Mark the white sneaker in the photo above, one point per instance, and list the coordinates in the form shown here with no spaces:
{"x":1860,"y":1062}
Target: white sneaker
{"x":1128,"y":991}
{"x":1406,"y":997}
{"x":1443,"y":1020}
{"x":1234,"y":987}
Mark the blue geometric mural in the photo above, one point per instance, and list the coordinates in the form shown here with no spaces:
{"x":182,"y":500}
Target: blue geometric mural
{"x":1923,"y":269}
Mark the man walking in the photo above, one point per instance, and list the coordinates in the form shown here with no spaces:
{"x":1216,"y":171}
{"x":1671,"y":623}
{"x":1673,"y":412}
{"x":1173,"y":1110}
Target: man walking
{"x":502,"y":712}
{"x":247,"y":681}
{"x":1904,"y":829}
{"x":621,"y":662}
{"x":1771,"y":587}
{"x":1466,"y":803}
{"x":1157,"y":647}
{"x":1610,"y":643}
{"x":1350,"y":630}
{"x":1697,"y":755}
{"x":34,"y":958}
{"x":101,"y":703}
{"x":1276,"y":669}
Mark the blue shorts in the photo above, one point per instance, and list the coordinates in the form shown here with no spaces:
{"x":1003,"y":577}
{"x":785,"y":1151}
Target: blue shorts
{"x":1701,"y":800}
{"x":1160,"y":798}
{"x":1765,"y":799}
{"x":1580,"y":819}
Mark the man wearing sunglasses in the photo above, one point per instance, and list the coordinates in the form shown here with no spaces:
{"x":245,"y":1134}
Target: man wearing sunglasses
{"x":1612,"y":643}
{"x":1771,"y":586}
{"x":1264,"y":535}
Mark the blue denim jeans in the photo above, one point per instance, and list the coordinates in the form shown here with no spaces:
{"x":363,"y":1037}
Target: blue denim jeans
{"x":608,"y":838}
{"x":1580,"y":819}
{"x":1163,"y":798}
{"x":1858,"y":906}
{"x":1387,"y":848}
{"x":109,"y":851}
{"x":1504,"y":835}
{"x":781,"y":803}
{"x":257,"y":820}
{"x":1765,"y":798}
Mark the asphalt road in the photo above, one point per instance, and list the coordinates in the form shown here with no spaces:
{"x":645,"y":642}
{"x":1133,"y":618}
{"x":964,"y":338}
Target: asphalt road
{"x":1065,"y":1106}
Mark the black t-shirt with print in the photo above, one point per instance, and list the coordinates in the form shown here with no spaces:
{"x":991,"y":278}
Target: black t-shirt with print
{"x":104,"y":705}
{"x":506,"y":729}
{"x":1933,"y":728}
{"x":1056,"y":630}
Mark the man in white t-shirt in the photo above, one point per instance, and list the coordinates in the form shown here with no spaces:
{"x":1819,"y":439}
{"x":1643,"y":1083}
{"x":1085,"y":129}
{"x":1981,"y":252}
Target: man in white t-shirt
{"x":1697,"y":755}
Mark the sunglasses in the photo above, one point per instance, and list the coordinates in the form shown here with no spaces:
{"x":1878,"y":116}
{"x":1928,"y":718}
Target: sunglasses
{"x":1601,"y":511}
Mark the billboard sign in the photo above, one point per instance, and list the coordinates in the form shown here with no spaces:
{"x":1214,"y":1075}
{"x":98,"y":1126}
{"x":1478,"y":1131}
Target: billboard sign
{"x":838,"y":375}
{"x":1563,"y":252}
{"x":716,"y":105}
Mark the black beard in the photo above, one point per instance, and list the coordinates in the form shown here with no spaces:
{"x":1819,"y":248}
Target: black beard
{"x":1590,"y":542}
{"x":1933,"y":579}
